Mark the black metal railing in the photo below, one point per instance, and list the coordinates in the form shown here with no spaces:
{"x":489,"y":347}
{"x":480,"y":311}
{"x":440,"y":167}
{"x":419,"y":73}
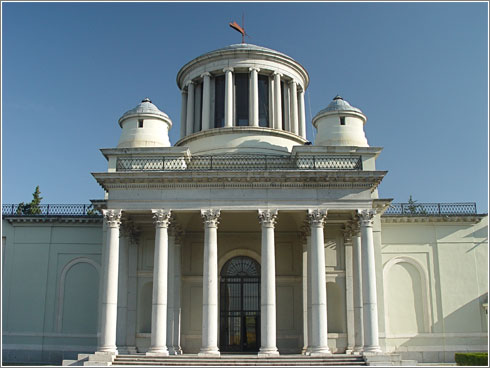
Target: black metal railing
{"x":239,"y":163}
{"x":424,"y":209}
{"x":74,"y":210}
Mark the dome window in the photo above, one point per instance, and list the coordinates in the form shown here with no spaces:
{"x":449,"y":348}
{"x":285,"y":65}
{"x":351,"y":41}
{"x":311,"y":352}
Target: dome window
{"x":342,"y":120}
{"x":140,"y":123}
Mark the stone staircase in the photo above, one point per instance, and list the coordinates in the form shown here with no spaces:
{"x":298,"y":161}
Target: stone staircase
{"x":239,"y":360}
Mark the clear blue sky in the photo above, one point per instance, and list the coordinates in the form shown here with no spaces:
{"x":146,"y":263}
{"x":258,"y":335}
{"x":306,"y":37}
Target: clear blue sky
{"x":419,"y":71}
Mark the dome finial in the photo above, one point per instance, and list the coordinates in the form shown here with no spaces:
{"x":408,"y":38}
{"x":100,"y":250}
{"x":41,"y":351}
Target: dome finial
{"x":338,"y":97}
{"x":146,"y":99}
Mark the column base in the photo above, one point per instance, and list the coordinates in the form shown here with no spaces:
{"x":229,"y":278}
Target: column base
{"x":162,"y":351}
{"x":320,"y":352}
{"x":371,"y":350}
{"x":209,"y":352}
{"x":357,"y":350}
{"x":109,"y":351}
{"x":268,"y":352}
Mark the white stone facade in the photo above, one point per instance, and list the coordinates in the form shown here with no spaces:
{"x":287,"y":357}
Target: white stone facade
{"x":190,"y":233}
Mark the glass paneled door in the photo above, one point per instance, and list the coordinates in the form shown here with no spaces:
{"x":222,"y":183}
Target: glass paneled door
{"x":240,"y":305}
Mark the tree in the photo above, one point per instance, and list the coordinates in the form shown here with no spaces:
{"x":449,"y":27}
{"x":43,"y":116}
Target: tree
{"x":32,"y":208}
{"x":414,"y":208}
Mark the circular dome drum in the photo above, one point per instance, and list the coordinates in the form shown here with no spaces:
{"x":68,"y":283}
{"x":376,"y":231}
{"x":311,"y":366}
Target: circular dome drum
{"x":242,"y":98}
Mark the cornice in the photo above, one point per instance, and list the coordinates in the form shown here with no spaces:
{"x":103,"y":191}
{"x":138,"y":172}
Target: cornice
{"x":241,"y":179}
{"x":474,"y":219}
{"x":52,"y":219}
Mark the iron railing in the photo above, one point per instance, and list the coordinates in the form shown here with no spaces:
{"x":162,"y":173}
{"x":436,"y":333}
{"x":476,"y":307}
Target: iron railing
{"x":424,"y":209}
{"x":239,"y":163}
{"x":66,"y":210}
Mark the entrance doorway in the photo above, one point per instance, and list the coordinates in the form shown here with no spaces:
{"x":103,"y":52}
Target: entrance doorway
{"x":240,"y":305}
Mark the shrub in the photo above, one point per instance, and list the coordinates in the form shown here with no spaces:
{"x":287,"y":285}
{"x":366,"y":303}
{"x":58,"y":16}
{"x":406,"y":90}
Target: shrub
{"x":471,"y":358}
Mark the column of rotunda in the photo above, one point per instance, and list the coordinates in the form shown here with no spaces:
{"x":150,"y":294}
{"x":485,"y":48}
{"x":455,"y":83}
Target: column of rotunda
{"x":294,"y":90}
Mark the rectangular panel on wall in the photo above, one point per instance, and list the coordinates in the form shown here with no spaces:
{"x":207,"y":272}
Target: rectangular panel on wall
{"x":195,"y":308}
{"x":284,"y":258}
{"x":331,"y":259}
{"x":147,"y":254}
{"x":285,"y":307}
{"x":196,"y":258}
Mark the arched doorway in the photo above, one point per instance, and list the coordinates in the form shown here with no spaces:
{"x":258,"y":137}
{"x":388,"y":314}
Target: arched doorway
{"x":240,"y":305}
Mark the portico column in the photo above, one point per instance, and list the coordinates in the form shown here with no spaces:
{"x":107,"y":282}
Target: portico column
{"x":210,"y":284}
{"x":171,"y":290}
{"x":301,"y":114}
{"x":306,"y":240}
{"x":254,"y":97}
{"x":109,"y":298}
{"x":349,"y":297}
{"x":370,"y":307}
{"x":158,"y":345}
{"x":228,"y":97}
{"x":293,"y":94}
{"x":268,"y":346}
{"x":183,"y":114}
{"x":357,"y":285}
{"x":277,"y":101}
{"x":319,"y":333}
{"x":122,"y":294}
{"x":177,"y":285}
{"x":190,"y":109}
{"x":206,"y":101}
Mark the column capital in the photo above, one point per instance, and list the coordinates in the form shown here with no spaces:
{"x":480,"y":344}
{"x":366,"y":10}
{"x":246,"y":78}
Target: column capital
{"x":348,"y":233}
{"x":161,"y":218}
{"x":211,"y":217}
{"x":228,"y":69}
{"x":131,"y":231}
{"x":183,"y":91}
{"x":277,"y":74}
{"x":187,"y":84}
{"x":366,"y":216}
{"x":317,"y":217}
{"x":205,"y":74}
{"x":112,"y":217}
{"x":292,"y":81}
{"x":254,"y":68}
{"x":267,"y":218}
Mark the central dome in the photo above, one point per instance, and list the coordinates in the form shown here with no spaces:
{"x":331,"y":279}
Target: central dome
{"x":242,"y":98}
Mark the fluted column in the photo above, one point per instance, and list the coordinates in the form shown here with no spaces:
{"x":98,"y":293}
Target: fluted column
{"x":357,"y":285}
{"x":122,"y":294}
{"x":183,"y":114}
{"x":301,"y":114}
{"x":210,"y":284}
{"x":254,"y":97}
{"x":268,"y":346}
{"x":277,"y":101}
{"x":171,"y":291}
{"x":370,"y":307}
{"x":293,"y":95}
{"x":349,"y":298}
{"x":109,"y":298}
{"x":206,"y":101}
{"x":319,"y":333}
{"x":190,"y":109}
{"x":177,"y":285}
{"x":228,"y":97}
{"x":158,"y":345}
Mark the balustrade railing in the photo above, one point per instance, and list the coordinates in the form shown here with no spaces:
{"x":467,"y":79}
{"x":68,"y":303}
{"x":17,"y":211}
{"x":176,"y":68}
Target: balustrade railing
{"x":87,"y":210}
{"x":423,"y":209}
{"x":74,"y":210}
{"x":239,"y":163}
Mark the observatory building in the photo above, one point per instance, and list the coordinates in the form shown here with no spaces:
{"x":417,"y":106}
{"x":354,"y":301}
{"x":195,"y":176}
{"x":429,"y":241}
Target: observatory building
{"x":244,"y":237}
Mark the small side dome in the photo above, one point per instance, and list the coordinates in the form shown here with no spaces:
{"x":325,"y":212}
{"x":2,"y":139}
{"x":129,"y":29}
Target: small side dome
{"x":144,"y":126}
{"x":340,"y":124}
{"x":339,"y":104}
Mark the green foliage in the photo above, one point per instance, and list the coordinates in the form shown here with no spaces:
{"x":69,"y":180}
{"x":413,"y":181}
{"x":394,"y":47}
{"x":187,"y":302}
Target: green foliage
{"x":414,"y":208}
{"x":91,"y":211}
{"x":471,"y":359}
{"x":32,"y":208}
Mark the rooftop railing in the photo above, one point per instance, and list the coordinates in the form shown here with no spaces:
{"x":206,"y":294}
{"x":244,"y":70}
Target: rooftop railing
{"x":239,"y":163}
{"x":55,"y":210}
{"x":87,"y":210}
{"x":431,"y":209}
